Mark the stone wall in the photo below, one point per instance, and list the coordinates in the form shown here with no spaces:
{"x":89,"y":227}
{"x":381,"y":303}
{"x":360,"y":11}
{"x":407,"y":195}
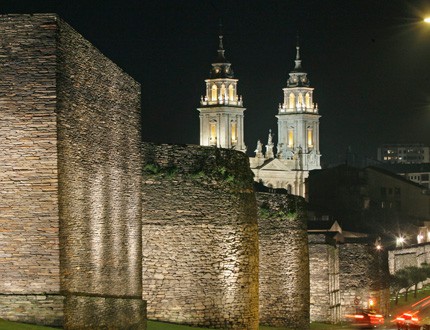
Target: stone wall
{"x":410,"y":256}
{"x":200,"y":246}
{"x":324,"y":279}
{"x":100,"y":187}
{"x":362,"y":277}
{"x":70,"y":168}
{"x":284,"y":261}
{"x":29,"y":220}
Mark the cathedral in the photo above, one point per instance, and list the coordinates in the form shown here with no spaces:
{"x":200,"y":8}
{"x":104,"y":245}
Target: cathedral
{"x":297,"y":152}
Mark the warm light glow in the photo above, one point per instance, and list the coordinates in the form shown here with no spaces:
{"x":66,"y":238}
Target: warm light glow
{"x":233,"y":132}
{"x":371,"y":302}
{"x":290,"y":138}
{"x":231,"y":92}
{"x":427,"y":20}
{"x":214,"y":93}
{"x":213,"y":133}
{"x":310,"y":143}
{"x":291,"y":101}
{"x":400,"y":241}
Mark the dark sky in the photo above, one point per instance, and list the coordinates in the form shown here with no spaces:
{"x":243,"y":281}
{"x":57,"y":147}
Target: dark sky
{"x":369,"y":62}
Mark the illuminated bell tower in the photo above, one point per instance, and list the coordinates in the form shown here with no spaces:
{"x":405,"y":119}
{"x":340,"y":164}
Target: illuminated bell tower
{"x":221,"y":109}
{"x":298,"y":121}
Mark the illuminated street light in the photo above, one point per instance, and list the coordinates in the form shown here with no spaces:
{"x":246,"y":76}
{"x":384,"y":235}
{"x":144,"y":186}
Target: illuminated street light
{"x":427,"y":20}
{"x":400,"y":241}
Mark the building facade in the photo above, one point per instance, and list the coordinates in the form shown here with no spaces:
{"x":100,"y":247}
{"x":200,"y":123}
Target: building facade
{"x":406,"y":153}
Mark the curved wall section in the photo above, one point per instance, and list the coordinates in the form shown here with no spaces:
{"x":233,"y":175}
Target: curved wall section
{"x":200,"y":244}
{"x":284,"y":261}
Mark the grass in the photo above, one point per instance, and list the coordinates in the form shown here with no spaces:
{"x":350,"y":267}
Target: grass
{"x":6,"y":325}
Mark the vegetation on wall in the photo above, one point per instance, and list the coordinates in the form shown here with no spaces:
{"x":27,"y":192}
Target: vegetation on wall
{"x":209,"y":166}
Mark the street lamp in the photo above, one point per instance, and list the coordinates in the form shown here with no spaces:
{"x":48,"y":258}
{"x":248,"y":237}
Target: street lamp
{"x":427,"y":20}
{"x":400,"y":241}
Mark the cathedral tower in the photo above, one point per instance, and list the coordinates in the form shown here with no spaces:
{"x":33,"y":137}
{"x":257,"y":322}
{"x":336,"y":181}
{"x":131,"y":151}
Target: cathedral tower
{"x":298,"y":120}
{"x":221,"y":109}
{"x":297,"y":151}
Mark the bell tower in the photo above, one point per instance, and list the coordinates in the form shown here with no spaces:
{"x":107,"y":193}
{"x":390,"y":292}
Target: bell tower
{"x":221,"y":109}
{"x":298,"y":120}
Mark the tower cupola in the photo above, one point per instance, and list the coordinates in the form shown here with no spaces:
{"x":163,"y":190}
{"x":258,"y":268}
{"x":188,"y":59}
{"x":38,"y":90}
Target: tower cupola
{"x":298,"y":78}
{"x":221,"y":68}
{"x":221,"y":109}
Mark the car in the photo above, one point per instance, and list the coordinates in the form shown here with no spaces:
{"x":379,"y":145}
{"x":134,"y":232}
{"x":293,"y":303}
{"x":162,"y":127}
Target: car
{"x":366,"y":319}
{"x":408,"y":321}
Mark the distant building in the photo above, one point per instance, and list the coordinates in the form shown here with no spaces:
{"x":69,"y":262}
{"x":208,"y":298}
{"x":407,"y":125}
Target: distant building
{"x":370,"y":199}
{"x":412,"y":153}
{"x":418,"y":173}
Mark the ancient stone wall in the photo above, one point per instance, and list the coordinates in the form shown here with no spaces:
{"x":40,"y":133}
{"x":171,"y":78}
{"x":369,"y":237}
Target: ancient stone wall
{"x":410,"y":256}
{"x":324,"y":279}
{"x":100,"y":187}
{"x":200,"y":243}
{"x":362,"y":277}
{"x":70,"y":168}
{"x":284,"y":261}
{"x":29,"y":220}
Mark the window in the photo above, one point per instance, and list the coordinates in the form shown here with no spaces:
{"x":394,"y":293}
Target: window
{"x":310,"y":137}
{"x":213,"y":136}
{"x":233,"y":132}
{"x":291,"y":101}
{"x":223,"y":91}
{"x":214,"y":96}
{"x":231,"y":92}
{"x":291,"y":137}
{"x":383,"y":192}
{"x":308,"y":100}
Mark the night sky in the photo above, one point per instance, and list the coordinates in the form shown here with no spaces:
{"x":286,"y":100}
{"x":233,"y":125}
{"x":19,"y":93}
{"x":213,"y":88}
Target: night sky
{"x":369,"y":62}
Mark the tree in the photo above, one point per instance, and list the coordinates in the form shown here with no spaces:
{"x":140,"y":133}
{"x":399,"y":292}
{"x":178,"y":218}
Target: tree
{"x":400,"y":280}
{"x":416,"y":276}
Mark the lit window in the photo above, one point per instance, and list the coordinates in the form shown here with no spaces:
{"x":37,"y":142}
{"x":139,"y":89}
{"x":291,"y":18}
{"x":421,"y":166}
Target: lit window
{"x":310,"y":137}
{"x":233,"y":133}
{"x":308,"y":100}
{"x":213,"y":133}
{"x":291,"y":137}
{"x":231,"y":92}
{"x":214,"y":93}
{"x":291,"y":101}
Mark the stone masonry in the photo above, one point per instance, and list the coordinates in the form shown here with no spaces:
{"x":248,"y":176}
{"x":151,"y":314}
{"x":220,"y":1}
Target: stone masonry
{"x":284,"y":261}
{"x":362,"y":276}
{"x":200,"y":246}
{"x":324,"y":279}
{"x":70,"y":166}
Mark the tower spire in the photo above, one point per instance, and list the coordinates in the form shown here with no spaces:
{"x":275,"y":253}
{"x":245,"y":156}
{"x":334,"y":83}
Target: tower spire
{"x":221,"y":57}
{"x":298,"y":61}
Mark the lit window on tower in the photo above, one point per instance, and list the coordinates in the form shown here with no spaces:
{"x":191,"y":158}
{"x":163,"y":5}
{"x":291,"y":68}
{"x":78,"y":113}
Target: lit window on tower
{"x":291,"y":137}
{"x":292,"y":100}
{"x":308,"y":100}
{"x":231,"y":92}
{"x":310,"y":138}
{"x":223,"y":91}
{"x":213,"y":133}
{"x":214,"y":93}
{"x":233,"y":133}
